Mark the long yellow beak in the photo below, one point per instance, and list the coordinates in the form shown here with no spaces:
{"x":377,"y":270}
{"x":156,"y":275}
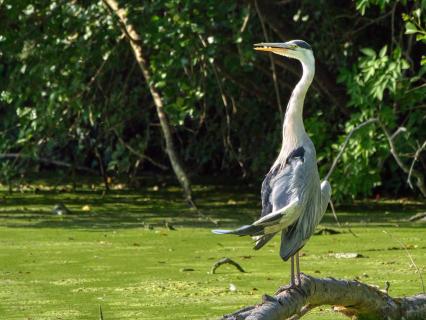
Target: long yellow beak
{"x":278,"y":48}
{"x":263,"y":49}
{"x":273,"y":50}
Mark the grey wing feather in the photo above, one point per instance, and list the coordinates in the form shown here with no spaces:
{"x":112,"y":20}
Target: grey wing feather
{"x":292,"y":201}
{"x":249,"y":230}
{"x":267,"y":204}
{"x":276,"y":191}
{"x":312,"y":208}
{"x":265,"y":193}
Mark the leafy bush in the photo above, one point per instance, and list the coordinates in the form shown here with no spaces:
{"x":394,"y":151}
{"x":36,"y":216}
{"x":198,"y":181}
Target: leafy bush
{"x":71,"y":89}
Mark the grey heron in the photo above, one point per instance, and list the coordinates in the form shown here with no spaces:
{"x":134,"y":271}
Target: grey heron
{"x":293,"y":198}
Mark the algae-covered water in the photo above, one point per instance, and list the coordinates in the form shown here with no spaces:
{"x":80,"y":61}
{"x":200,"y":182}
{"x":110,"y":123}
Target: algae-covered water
{"x":114,"y":250}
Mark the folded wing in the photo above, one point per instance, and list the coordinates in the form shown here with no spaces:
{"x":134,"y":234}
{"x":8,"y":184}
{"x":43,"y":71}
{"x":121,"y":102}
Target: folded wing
{"x":280,"y":202}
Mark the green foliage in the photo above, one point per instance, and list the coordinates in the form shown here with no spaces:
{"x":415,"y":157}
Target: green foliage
{"x":363,"y":5}
{"x":71,"y":90}
{"x":375,"y":84}
{"x":380,"y":84}
{"x":415,"y":24}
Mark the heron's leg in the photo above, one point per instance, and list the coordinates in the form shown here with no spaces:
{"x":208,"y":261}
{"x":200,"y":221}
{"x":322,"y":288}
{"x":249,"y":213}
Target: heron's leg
{"x":299,"y":281}
{"x":292,"y":279}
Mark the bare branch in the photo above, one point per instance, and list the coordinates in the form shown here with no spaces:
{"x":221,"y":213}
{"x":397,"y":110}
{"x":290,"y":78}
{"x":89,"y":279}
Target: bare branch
{"x":345,"y":143}
{"x":397,"y":132}
{"x":410,"y":171}
{"x":373,"y":21}
{"x":246,"y":19}
{"x":137,"y":153}
{"x":99,"y":70}
{"x":334,"y":213}
{"x":418,"y":217}
{"x":419,"y":176}
{"x":271,"y":58}
{"x":416,"y":157}
{"x":227,"y":138}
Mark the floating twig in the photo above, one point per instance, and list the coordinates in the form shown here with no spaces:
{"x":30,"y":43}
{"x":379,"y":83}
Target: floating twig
{"x":226,"y":261}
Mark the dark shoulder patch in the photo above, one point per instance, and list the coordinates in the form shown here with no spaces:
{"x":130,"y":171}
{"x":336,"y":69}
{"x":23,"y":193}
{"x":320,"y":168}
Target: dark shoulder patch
{"x":266,"y":191}
{"x":302,"y":44}
{"x":296,"y":153}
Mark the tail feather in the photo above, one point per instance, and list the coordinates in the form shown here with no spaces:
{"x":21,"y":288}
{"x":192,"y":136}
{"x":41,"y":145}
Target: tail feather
{"x":221,"y":231}
{"x":291,"y":243}
{"x":262,"y":240}
{"x":289,"y":252}
{"x":248,"y":230}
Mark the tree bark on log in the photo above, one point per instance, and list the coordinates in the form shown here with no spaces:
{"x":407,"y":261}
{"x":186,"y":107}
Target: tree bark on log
{"x":349,"y":297}
{"x":136,"y":44}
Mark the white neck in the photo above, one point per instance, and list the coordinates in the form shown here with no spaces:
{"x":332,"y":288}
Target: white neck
{"x":293,"y":128}
{"x":293,"y":120}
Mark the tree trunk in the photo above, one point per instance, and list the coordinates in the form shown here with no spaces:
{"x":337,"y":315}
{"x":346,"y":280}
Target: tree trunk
{"x":136,"y":45}
{"x":349,"y":297}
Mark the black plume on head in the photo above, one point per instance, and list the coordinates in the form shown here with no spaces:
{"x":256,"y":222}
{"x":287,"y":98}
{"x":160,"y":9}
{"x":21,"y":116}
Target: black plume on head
{"x":302,"y":44}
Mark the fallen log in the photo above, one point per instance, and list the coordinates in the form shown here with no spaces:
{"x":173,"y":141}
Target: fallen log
{"x":349,"y":297}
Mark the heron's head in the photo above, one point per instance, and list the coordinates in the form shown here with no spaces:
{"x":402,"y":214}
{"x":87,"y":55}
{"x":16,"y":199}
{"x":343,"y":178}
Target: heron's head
{"x":295,"y":49}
